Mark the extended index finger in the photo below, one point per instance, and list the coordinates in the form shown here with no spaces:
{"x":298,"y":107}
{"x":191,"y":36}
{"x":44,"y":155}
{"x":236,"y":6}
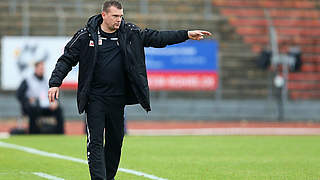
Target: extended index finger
{"x":206,"y":33}
{"x":53,"y":94}
{"x":57,"y":94}
{"x":50,"y":95}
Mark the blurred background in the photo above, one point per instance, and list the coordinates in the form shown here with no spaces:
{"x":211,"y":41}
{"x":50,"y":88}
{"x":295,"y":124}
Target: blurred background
{"x":262,"y":64}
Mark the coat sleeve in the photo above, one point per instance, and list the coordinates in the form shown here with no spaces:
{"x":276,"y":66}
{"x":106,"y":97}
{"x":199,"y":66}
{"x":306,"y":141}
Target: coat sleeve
{"x":21,"y":95}
{"x":66,"y":61}
{"x":159,"y":39}
{"x":21,"y":92}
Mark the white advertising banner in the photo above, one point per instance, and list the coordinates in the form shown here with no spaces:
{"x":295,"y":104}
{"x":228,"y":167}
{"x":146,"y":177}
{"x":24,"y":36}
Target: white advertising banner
{"x":19,"y":53}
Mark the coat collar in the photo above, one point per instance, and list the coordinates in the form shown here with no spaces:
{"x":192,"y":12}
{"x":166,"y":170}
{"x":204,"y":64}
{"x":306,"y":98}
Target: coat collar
{"x":95,"y":21}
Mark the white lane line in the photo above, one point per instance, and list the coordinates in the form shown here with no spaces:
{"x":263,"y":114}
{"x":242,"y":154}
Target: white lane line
{"x":41,"y":153}
{"x":47,"y":176}
{"x":4,"y":135}
{"x":58,"y":156}
{"x":141,"y":174}
{"x":226,"y":131}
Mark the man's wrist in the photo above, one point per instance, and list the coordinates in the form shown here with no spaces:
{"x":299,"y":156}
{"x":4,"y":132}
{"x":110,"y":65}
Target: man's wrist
{"x":187,"y":32}
{"x":52,"y":86}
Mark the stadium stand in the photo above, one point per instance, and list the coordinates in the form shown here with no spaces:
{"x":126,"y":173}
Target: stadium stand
{"x":238,"y":25}
{"x":239,"y":77}
{"x":296,"y":22}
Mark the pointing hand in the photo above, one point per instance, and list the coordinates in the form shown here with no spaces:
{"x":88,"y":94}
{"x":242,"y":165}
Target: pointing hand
{"x":198,"y":34}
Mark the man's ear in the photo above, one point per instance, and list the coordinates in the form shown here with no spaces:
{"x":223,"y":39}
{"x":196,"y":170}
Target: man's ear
{"x":103,"y":14}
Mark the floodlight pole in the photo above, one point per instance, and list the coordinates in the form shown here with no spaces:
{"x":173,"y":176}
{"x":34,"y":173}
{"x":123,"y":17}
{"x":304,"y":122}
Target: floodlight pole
{"x":25,"y":19}
{"x":13,"y":7}
{"x":277,"y":59}
{"x":61,"y":20}
{"x":207,"y":9}
{"x":144,"y":6}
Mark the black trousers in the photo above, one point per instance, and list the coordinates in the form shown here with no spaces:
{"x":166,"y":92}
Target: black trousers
{"x":35,"y":112}
{"x":104,"y":117}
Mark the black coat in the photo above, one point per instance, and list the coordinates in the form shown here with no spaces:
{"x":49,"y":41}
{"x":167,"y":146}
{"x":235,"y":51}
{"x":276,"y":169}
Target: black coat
{"x":82,"y":49}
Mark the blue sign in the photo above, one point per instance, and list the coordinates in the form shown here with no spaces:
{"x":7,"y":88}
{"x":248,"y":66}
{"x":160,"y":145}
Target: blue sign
{"x":187,"y":56}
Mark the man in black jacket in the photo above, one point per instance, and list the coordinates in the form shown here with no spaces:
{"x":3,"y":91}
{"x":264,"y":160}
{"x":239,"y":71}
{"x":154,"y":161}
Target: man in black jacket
{"x":112,"y":74}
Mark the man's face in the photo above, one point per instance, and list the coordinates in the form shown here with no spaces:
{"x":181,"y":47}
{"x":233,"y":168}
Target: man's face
{"x":39,"y":69}
{"x":112,"y":18}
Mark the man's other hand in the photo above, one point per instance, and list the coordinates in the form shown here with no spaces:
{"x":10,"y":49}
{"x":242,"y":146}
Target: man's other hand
{"x":53,"y":106}
{"x":198,"y":34}
{"x":53,"y":94}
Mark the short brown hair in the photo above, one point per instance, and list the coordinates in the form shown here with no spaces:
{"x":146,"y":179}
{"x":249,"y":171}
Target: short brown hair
{"x":38,"y":62}
{"x":107,"y":4}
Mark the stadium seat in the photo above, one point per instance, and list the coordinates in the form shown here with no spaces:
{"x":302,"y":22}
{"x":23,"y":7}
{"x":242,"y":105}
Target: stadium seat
{"x":296,"y":22}
{"x":298,"y":95}
{"x":302,"y":76}
{"x":277,"y":22}
{"x":298,"y":85}
{"x":274,"y":13}
{"x":264,"y":4}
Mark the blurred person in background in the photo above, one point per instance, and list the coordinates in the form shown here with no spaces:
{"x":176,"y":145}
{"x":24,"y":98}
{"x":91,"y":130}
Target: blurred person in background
{"x":112,"y":74}
{"x":32,"y":95}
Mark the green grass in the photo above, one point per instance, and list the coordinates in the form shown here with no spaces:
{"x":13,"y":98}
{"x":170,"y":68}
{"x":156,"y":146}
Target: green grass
{"x":176,"y":157}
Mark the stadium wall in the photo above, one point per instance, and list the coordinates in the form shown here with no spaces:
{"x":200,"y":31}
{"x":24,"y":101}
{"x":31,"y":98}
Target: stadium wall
{"x":189,"y":109}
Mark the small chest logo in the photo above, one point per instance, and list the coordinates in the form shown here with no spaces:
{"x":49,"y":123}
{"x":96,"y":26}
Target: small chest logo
{"x":91,"y":43}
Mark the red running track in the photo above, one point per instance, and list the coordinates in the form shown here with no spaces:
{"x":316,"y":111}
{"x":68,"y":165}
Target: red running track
{"x":196,"y":128}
